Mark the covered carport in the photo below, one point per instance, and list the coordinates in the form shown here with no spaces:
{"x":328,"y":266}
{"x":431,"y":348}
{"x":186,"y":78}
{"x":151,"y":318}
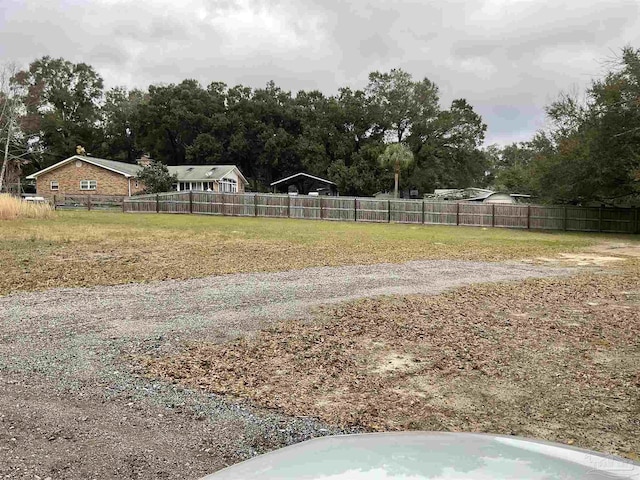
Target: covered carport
{"x":305,"y":184}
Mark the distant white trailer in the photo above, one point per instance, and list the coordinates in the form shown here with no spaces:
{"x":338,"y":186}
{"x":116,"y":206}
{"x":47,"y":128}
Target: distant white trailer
{"x":499,"y":198}
{"x":35,"y":199}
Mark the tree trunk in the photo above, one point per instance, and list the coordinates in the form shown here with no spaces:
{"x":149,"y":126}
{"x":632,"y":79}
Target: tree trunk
{"x":395,"y":191}
{"x":397,"y":177}
{"x":5,"y":161}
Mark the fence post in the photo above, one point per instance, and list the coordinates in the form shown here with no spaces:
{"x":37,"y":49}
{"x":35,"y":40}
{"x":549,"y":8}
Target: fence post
{"x":123,"y":206}
{"x":288,"y":205}
{"x":600,"y":218}
{"x":255,"y":205}
{"x":423,"y":212}
{"x":457,"y":213}
{"x":564,"y":223}
{"x":55,"y":203}
{"x":157,"y":203}
{"x":355,"y":209}
{"x":88,"y":202}
{"x":388,"y":211}
{"x":493,"y":214}
{"x":528,"y":217}
{"x":191,"y":201}
{"x":321,"y":208}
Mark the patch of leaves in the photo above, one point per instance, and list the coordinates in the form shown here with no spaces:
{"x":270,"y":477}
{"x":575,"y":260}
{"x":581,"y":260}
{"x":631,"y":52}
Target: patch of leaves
{"x":550,"y":358}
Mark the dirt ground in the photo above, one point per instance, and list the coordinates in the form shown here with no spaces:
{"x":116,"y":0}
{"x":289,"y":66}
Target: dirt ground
{"x":46,"y":433}
{"x":75,"y":403}
{"x":163,"y":380}
{"x":557,"y":359}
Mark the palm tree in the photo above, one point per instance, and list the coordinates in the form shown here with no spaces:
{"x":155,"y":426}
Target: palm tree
{"x":397,"y":155}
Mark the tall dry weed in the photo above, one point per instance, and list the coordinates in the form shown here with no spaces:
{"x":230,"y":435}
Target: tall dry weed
{"x":12,"y":208}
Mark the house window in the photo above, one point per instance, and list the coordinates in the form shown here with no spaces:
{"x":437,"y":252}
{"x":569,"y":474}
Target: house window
{"x":88,"y":184}
{"x":54,"y":185}
{"x":228,"y":185}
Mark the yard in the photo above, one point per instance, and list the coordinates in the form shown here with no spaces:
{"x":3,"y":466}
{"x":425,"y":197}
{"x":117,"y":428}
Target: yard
{"x":88,"y":248}
{"x":316,"y":328}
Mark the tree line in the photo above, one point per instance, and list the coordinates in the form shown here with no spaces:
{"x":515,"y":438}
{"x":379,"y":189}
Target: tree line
{"x":589,"y":154}
{"x":268,"y":132}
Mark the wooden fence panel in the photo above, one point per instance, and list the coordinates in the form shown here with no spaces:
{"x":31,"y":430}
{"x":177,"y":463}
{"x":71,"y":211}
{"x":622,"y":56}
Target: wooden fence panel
{"x":106,"y":202}
{"x":406,"y":211}
{"x":472,"y":214}
{"x":547,"y":218}
{"x":206,"y":203}
{"x":140,"y":204}
{"x":174,"y":202}
{"x":510,"y":216}
{"x":210,"y":203}
{"x":372,"y":210}
{"x":240,"y":204}
{"x":619,"y":220}
{"x":339,"y":208}
{"x":304,"y":206}
{"x":272,"y":205}
{"x":71,"y":202}
{"x":582,"y":219}
{"x":88,"y":202}
{"x":441,"y":213}
{"x":589,"y":219}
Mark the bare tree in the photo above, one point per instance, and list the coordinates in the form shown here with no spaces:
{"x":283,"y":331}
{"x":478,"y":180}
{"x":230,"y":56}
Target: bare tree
{"x":9,"y":113}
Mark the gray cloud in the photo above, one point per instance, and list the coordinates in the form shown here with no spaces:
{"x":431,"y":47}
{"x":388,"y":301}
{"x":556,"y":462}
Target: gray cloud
{"x":509,"y":58}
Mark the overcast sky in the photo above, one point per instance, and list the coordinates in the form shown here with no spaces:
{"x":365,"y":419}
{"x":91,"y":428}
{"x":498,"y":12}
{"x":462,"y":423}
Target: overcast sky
{"x":508,"y":58}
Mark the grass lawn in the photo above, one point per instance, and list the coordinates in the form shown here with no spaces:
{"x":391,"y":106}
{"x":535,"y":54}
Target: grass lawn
{"x":100,"y":248}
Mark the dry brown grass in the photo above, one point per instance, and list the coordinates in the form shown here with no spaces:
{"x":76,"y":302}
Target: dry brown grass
{"x":98,"y":248}
{"x":549,"y":358}
{"x":12,"y":208}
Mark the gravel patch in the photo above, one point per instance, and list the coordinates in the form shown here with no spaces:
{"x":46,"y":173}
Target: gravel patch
{"x":74,"y":405}
{"x":229,"y":305}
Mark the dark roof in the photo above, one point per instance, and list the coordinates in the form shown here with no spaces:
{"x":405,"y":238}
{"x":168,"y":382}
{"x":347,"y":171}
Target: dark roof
{"x":283,"y":180}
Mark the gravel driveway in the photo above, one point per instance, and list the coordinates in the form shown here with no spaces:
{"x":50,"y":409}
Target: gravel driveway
{"x":71,"y":406}
{"x":240,"y":303}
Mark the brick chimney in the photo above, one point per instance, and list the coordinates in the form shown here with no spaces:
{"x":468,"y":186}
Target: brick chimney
{"x":144,"y":160}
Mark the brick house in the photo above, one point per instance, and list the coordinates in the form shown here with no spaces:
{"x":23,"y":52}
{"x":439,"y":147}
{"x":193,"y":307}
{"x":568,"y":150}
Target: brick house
{"x":83,"y":175}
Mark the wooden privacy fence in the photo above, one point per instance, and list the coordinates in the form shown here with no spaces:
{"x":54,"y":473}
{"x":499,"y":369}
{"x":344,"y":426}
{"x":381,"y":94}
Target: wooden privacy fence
{"x":569,"y":218}
{"x":87,"y":202}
